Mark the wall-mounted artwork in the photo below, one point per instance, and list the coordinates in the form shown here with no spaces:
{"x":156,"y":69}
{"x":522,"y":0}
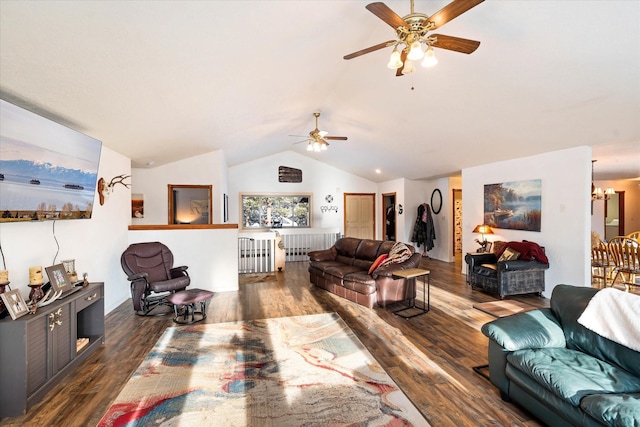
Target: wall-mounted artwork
{"x":287,"y":174}
{"x":137,"y":206}
{"x":514,"y":205}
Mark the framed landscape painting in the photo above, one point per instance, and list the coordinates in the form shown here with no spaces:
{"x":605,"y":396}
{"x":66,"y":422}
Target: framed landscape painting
{"x":514,"y":205}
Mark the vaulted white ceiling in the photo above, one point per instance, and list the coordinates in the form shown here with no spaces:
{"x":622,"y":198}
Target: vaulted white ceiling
{"x":161,"y":81}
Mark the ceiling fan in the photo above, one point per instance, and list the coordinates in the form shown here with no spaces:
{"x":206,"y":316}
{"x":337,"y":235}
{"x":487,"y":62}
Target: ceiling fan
{"x":317,"y":140}
{"x":411,"y":34}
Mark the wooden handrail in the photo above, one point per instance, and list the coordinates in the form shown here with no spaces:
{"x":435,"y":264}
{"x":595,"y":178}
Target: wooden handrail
{"x":182,"y":227}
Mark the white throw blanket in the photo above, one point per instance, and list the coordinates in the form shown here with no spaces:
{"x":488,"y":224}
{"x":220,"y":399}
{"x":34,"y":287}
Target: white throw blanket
{"x":615,"y":315}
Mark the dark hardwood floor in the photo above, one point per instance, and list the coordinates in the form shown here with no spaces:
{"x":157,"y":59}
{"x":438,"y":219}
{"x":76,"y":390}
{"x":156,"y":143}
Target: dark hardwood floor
{"x":430,"y":356}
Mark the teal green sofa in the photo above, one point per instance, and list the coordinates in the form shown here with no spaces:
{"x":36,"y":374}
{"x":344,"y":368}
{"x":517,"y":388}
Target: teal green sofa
{"x":560,"y":371}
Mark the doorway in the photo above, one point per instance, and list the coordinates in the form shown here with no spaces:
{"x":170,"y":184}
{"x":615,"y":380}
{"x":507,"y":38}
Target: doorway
{"x":189,"y":204}
{"x":457,"y":222}
{"x":389,"y":215}
{"x":614,"y":216}
{"x":360,"y":215}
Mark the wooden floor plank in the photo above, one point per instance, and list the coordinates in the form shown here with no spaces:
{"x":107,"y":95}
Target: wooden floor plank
{"x":430,"y":356}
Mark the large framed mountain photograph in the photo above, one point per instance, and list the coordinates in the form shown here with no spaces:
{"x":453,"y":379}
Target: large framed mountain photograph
{"x":47,"y":171}
{"x":514,"y":205}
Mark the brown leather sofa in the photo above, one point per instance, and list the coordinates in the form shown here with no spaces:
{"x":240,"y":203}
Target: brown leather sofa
{"x":343,"y":270}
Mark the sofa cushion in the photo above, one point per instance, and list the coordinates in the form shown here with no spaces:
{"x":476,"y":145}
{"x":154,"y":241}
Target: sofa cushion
{"x":613,"y":409}
{"x":347,"y":246}
{"x":360,"y":282}
{"x":487,"y":270}
{"x":567,"y":303}
{"x":368,"y":250}
{"x":572,"y":374}
{"x":385,"y":247}
{"x":341,"y":270}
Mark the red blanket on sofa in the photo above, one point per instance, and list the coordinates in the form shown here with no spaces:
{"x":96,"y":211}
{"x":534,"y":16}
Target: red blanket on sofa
{"x":528,"y":250}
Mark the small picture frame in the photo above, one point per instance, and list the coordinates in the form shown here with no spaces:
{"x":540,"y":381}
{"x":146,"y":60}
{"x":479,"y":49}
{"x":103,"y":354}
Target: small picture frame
{"x":15,"y":303}
{"x":59,"y":278}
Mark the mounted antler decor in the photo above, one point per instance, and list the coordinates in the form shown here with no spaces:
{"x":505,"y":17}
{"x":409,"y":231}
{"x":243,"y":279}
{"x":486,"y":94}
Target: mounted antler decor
{"x":104,"y":189}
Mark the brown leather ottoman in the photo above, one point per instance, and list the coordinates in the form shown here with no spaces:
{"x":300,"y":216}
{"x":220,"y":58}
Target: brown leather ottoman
{"x":185,"y":305}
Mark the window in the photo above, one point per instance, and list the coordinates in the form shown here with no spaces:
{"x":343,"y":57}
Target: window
{"x":276,"y":211}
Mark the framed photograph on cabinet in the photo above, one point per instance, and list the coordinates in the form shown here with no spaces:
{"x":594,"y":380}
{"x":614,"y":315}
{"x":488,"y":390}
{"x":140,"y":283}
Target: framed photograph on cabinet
{"x":16,"y":305}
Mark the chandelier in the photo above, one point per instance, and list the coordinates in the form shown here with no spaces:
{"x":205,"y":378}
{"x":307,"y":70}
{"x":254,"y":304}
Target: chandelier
{"x":596,"y":192}
{"x":411,"y":40}
{"x":317,"y":145}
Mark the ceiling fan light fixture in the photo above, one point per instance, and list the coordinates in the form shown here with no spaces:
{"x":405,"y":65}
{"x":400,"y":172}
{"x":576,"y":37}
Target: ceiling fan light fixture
{"x":415,"y":52}
{"x":409,"y":68}
{"x":394,"y":61}
{"x":310,"y":146}
{"x":323,"y":147}
{"x":429,"y":58}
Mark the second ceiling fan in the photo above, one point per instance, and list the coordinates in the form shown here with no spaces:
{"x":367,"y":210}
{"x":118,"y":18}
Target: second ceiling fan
{"x":411,"y":34}
{"x":317,"y":140}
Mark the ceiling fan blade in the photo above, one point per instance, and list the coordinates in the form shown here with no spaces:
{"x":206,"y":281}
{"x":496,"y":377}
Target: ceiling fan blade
{"x":387,"y":15}
{"x":451,"y":11}
{"x":455,"y":43}
{"x":299,"y":136}
{"x":336,"y":138}
{"x":369,"y":49}
{"x":403,"y":58}
{"x":300,"y":142}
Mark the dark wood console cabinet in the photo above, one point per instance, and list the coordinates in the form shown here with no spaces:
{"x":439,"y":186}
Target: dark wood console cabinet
{"x":37,"y":351}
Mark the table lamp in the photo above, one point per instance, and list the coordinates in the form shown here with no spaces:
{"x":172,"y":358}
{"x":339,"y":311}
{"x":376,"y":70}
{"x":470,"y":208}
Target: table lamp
{"x":482,"y":229}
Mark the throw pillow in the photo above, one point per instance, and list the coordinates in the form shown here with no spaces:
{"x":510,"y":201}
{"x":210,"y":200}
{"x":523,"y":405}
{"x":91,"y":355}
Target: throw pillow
{"x":508,"y":255}
{"x":377,"y":262}
{"x":498,"y":246}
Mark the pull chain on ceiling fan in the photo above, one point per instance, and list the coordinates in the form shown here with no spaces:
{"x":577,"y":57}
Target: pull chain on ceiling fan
{"x":411,"y":35}
{"x":317,"y":140}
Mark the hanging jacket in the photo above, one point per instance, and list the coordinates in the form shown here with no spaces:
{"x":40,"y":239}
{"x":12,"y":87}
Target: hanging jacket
{"x":424,"y":232}
{"x":419,"y":235}
{"x":430,"y":229}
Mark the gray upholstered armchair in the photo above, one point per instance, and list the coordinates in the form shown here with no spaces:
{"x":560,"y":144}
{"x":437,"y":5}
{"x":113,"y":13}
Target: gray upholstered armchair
{"x":518,"y":276}
{"x":149,"y":268}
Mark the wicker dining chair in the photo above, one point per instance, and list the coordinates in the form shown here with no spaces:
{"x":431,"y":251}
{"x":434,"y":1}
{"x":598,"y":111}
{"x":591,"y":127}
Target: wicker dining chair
{"x":635,"y":235}
{"x":602,"y":266}
{"x":625,"y":253}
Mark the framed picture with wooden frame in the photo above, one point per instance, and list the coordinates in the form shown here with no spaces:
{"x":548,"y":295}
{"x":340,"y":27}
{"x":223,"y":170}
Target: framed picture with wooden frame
{"x":15,"y":303}
{"x":59,"y":278}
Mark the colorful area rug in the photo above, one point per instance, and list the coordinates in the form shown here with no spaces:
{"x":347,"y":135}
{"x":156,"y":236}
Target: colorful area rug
{"x":503,"y":308}
{"x":292,"y":371}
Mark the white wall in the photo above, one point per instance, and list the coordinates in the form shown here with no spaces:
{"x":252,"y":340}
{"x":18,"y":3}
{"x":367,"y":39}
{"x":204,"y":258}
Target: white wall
{"x":566,"y":210}
{"x":320,"y":179}
{"x":206,"y":169}
{"x":393,"y":186}
{"x":95,"y":244}
{"x":418,"y":192}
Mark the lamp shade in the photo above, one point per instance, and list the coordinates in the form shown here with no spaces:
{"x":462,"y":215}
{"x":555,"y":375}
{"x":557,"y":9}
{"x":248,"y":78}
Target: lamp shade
{"x":415,"y":51}
{"x":483,"y":229}
{"x":394,"y":61}
{"x":429,"y":58}
{"x":409,"y":68}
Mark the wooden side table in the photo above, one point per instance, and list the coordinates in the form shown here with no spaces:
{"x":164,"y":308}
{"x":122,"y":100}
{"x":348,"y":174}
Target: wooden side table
{"x":412,"y":274}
